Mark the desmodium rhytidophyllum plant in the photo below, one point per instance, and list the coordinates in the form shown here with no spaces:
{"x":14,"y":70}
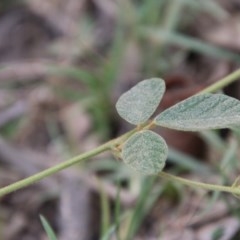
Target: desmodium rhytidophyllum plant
{"x":146,"y":151}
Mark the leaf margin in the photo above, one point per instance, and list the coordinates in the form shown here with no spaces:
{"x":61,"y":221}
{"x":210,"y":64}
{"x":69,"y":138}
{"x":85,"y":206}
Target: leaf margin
{"x":135,"y":109}
{"x":131,"y":147}
{"x":164,"y":120}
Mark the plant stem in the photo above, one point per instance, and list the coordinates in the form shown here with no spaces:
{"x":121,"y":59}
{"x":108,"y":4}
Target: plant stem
{"x":212,"y":187}
{"x":222,"y":83}
{"x":34,"y":178}
{"x":115,"y":142}
{"x":50,"y":171}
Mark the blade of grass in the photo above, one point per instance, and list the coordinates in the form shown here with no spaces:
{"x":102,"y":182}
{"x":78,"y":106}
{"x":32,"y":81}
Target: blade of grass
{"x":113,"y":229}
{"x":48,"y":229}
{"x":214,"y":140}
{"x":208,"y":6}
{"x":71,"y":95}
{"x":143,"y":206}
{"x":188,"y":162}
{"x":105,"y":212}
{"x":117,"y":211}
{"x":147,"y":13}
{"x":110,"y":69}
{"x":158,"y":35}
{"x":230,"y":154}
{"x":79,"y":74}
{"x":172,"y":15}
{"x":212,"y":7}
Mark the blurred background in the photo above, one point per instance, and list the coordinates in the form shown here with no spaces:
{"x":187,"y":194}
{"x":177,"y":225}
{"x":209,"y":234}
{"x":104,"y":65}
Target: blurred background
{"x":63,"y":65}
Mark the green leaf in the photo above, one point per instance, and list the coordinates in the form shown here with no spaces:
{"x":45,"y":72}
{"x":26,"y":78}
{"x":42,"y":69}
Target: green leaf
{"x":145,"y":152}
{"x":48,"y":229}
{"x":202,"y":112}
{"x":140,"y":102}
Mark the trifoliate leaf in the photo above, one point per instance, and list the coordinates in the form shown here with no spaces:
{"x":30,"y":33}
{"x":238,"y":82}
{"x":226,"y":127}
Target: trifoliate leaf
{"x":140,"y":102}
{"x":146,"y":152}
{"x":201,"y":112}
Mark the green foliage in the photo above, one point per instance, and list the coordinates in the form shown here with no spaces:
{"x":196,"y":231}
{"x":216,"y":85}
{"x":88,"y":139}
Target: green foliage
{"x":145,"y":202}
{"x":105,"y":213}
{"x":173,"y":38}
{"x":145,"y":152}
{"x":218,"y":233}
{"x":140,"y":102}
{"x":48,"y":229}
{"x":202,"y":112}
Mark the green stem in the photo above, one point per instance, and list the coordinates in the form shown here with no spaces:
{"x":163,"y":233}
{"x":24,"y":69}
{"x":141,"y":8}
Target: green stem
{"x":212,"y":187}
{"x":222,"y":83}
{"x":34,"y":178}
{"x":118,"y":141}
{"x":50,"y":171}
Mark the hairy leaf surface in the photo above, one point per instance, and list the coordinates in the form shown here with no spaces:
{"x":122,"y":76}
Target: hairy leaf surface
{"x":140,"y":102}
{"x":202,"y":112}
{"x":146,"y":152}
